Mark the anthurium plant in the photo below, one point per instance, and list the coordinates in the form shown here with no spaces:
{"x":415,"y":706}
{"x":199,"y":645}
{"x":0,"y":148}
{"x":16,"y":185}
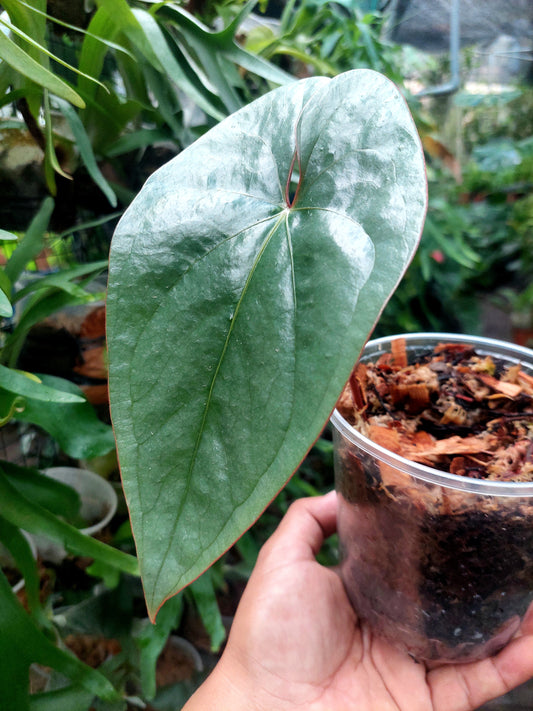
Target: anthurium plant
{"x":244,"y":280}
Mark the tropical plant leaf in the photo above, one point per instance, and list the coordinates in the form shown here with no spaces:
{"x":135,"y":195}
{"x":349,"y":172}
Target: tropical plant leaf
{"x":107,"y":116}
{"x":224,"y":41}
{"x":237,"y":306}
{"x":22,"y":642}
{"x":126,"y":20}
{"x":6,"y":310}
{"x":174,"y":70}
{"x":64,"y":699}
{"x":87,"y":224}
{"x":5,"y":293}
{"x":53,"y":495}
{"x":131,"y":71}
{"x":214,"y":49}
{"x":203,"y":593}
{"x":27,"y":20}
{"x":20,"y":550}
{"x":41,"y":48}
{"x":75,"y":426}
{"x":142,"y":138}
{"x":211,"y":61}
{"x":33,"y":518}
{"x":75,"y":28}
{"x":64,"y":280}
{"x":41,"y":304}
{"x":34,"y":26}
{"x":10,"y":405}
{"x":51,"y":162}
{"x":8,"y":236}
{"x":85,"y":148}
{"x":32,"y":242}
{"x":165,"y":97}
{"x":151,"y":640}
{"x":93,"y":51}
{"x":30,"y":386}
{"x":17,"y":58}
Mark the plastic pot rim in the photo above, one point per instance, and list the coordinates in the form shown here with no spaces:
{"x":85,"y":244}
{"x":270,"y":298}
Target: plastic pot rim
{"x":100,"y":488}
{"x":484,"y":346}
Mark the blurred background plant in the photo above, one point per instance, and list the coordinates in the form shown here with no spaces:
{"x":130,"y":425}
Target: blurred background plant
{"x":94,"y":96}
{"x":475,"y":258}
{"x":321,"y":37}
{"x":89,"y":101}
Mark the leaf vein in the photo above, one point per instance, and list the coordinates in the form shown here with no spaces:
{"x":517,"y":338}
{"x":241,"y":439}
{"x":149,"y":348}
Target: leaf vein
{"x":210,"y":394}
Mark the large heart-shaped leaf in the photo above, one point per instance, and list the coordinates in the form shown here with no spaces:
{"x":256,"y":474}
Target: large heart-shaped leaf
{"x":244,"y":281}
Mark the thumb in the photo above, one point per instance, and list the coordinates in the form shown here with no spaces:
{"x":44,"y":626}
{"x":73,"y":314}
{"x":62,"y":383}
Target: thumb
{"x":305,"y":527}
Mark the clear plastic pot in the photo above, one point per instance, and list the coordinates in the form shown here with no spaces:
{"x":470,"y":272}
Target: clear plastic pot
{"x":440,"y":565}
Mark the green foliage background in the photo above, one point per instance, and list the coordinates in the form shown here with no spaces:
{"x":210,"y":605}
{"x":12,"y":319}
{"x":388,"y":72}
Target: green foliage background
{"x":103,"y":97}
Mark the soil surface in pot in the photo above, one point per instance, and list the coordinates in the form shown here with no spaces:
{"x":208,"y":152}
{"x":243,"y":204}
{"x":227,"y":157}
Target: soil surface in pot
{"x":452,"y":409}
{"x":446,"y":574}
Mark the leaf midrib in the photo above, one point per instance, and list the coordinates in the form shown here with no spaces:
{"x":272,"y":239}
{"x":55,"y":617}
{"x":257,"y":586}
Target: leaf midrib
{"x":200,"y":435}
{"x":191,"y":266}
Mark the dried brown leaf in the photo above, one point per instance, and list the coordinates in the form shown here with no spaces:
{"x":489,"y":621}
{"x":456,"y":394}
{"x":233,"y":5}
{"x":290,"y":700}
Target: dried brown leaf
{"x":508,"y":389}
{"x":399,"y":353}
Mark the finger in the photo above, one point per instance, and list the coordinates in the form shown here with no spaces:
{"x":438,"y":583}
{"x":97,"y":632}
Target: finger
{"x":464,"y":687}
{"x":305,"y":526}
{"x":527,"y":623}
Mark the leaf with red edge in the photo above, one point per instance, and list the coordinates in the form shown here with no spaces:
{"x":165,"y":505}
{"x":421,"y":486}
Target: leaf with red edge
{"x":236,"y":309}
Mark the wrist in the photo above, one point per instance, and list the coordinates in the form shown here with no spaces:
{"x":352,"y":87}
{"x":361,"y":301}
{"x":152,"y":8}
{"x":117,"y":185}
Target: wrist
{"x":231,"y":686}
{"x":225,"y":689}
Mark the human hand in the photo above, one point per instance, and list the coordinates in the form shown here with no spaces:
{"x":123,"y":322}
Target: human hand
{"x":296,"y":642}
